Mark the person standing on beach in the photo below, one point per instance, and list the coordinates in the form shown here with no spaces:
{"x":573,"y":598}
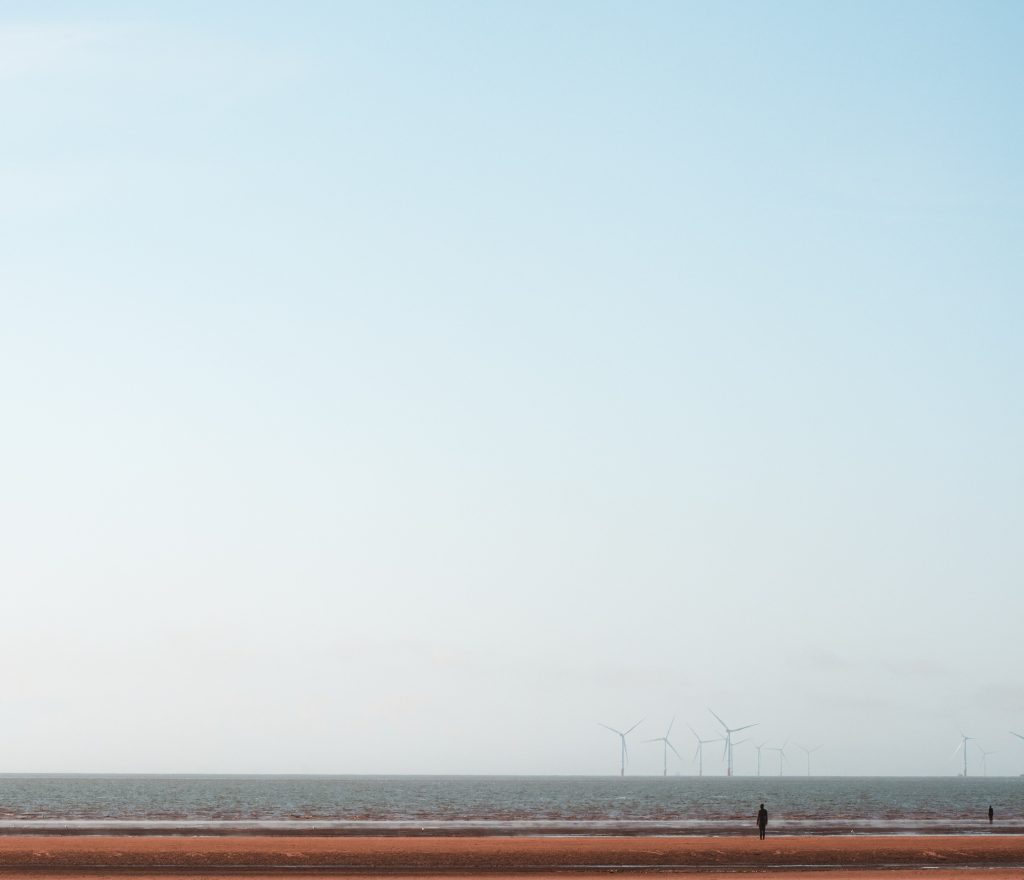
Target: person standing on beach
{"x":762,"y":821}
{"x":991,"y":813}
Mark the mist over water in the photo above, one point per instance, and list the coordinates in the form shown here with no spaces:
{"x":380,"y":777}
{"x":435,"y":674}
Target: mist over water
{"x":501,"y":805}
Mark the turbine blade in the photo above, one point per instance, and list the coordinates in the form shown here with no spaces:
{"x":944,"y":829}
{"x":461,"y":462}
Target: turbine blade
{"x":1019,"y":736}
{"x":612,"y":729}
{"x":720,"y":721}
{"x":680,"y":757}
{"x":668,"y":732}
{"x":745,"y":726}
{"x":635,"y":726}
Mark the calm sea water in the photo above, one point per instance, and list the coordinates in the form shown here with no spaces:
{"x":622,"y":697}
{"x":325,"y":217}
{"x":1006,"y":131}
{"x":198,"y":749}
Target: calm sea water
{"x":502,"y":805}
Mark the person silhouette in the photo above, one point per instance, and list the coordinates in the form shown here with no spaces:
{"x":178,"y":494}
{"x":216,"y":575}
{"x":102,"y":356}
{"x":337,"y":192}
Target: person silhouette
{"x":991,"y":813}
{"x":762,"y":821}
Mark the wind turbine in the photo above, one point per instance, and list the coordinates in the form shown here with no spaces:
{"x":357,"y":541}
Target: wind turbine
{"x":666,"y":745}
{"x":729,"y":731}
{"x":964,"y":739}
{"x":699,"y":754}
{"x":984,"y":760}
{"x":782,"y":753}
{"x":758,"y":750}
{"x":622,"y":736}
{"x":809,"y":753}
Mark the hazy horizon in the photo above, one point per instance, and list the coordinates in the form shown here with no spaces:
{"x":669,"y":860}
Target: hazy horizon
{"x":396,"y":387}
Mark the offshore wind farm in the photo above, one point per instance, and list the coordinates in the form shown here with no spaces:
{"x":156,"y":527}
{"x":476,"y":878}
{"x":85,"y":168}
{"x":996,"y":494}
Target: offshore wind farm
{"x":971,"y":757}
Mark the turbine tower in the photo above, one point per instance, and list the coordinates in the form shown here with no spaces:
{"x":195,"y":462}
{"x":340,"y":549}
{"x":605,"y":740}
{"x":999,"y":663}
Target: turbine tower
{"x":984,"y":760}
{"x":809,"y":753}
{"x":758,"y":750}
{"x":622,"y":737}
{"x":964,"y":740}
{"x":666,"y":745}
{"x":699,"y":754}
{"x":729,"y":731}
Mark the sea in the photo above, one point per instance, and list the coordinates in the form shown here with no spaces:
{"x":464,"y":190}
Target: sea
{"x":505,"y":805}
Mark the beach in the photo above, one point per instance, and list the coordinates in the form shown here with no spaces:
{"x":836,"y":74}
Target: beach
{"x":852,"y":856}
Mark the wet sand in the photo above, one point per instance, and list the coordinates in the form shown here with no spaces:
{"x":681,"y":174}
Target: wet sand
{"x":909,"y":858}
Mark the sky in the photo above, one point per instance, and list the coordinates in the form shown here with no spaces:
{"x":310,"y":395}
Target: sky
{"x":399,"y":387}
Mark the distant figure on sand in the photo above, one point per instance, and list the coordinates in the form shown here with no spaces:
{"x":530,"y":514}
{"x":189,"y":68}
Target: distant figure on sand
{"x":762,"y":821}
{"x":991,"y":813}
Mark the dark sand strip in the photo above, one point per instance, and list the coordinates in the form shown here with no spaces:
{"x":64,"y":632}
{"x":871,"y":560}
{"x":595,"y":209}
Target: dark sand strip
{"x":852,"y":874}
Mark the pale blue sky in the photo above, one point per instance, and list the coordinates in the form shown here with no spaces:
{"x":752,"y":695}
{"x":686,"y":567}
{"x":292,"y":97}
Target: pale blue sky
{"x":395,"y":372}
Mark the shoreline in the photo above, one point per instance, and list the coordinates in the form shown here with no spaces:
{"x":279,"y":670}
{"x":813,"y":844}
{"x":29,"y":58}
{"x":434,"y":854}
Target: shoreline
{"x":298,"y":828}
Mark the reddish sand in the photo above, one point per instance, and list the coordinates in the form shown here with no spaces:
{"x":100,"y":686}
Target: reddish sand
{"x":854,"y":874}
{"x":355,"y":856}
